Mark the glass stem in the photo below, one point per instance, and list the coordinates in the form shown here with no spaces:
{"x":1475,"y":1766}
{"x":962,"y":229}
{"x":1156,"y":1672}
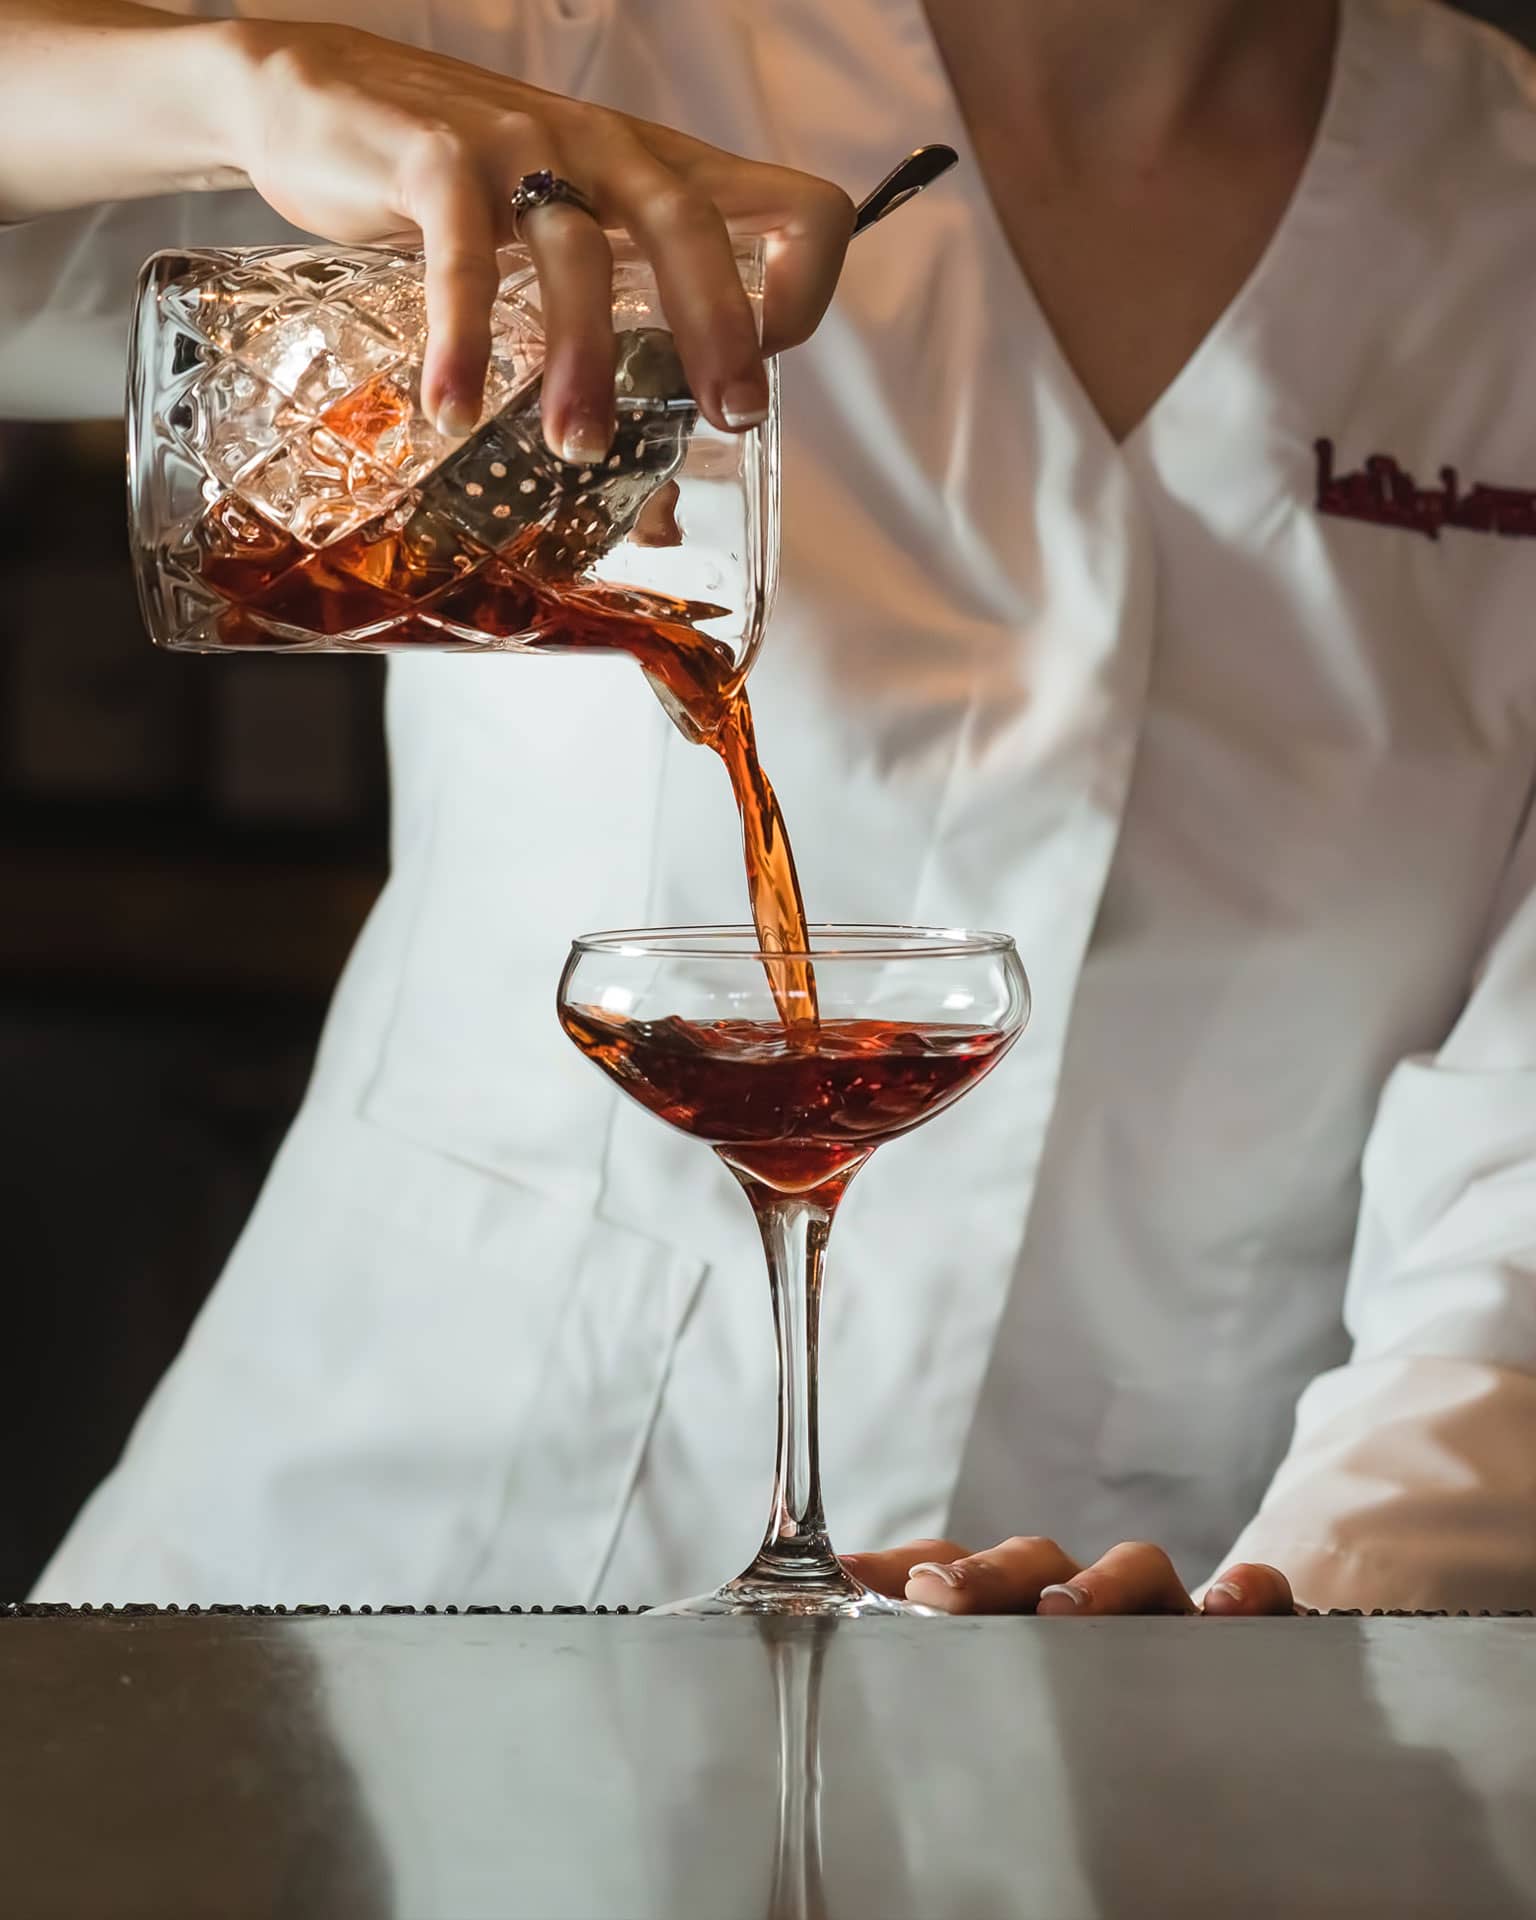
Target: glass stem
{"x":795,"y":1228}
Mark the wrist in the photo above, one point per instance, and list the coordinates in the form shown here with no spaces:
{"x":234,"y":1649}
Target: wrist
{"x":216,"y":80}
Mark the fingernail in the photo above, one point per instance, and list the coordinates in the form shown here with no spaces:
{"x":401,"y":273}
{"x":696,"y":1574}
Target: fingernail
{"x":742,"y":405}
{"x":456,"y":418}
{"x":1229,"y":1587}
{"x":951,"y":1576}
{"x":585,"y":440}
{"x":1067,"y":1593}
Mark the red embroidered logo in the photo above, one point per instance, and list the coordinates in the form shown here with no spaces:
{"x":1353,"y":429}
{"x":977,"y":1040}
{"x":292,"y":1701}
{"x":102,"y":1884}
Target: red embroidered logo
{"x":1380,"y":491}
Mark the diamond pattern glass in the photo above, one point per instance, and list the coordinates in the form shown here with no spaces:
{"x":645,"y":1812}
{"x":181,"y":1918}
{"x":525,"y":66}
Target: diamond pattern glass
{"x":229,"y":418}
{"x":288,"y":491}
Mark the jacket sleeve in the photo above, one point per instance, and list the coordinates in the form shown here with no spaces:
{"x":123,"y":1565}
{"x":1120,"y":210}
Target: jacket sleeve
{"x":1411,"y":1476}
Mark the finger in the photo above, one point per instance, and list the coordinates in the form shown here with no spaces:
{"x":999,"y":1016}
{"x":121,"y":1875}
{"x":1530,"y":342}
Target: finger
{"x":684,"y":236}
{"x":806,"y":220}
{"x":1005,"y":1579}
{"x":808,"y":226}
{"x":1130,"y":1578}
{"x":450,"y":200}
{"x":575,"y":268}
{"x":657,"y":525}
{"x":887,"y":1572}
{"x":1249,"y":1589}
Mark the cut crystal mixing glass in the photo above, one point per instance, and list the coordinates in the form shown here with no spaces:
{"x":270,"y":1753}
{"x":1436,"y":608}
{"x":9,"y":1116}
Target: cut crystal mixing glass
{"x":288,"y":492}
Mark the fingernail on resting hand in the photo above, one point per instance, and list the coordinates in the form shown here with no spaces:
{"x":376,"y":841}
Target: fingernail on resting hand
{"x":950,"y":1576}
{"x":1229,"y":1589}
{"x":1068,"y":1599}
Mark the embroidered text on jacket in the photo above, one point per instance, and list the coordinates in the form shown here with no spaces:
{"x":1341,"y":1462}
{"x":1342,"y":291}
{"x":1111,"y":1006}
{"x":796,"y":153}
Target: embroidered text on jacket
{"x":1382,"y":492}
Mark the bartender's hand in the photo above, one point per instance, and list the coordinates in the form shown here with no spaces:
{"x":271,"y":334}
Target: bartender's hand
{"x":1035,"y":1576}
{"x":363,"y":140}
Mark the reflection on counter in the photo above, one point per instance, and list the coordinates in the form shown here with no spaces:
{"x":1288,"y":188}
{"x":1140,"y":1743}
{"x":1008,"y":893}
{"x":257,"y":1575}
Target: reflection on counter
{"x":623,"y":1768}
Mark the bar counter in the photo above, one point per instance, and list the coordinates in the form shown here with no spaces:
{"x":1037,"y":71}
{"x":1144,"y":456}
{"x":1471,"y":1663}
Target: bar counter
{"x":241,"y":1764}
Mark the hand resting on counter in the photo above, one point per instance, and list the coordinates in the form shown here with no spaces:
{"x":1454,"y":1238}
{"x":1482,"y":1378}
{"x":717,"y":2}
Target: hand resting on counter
{"x":1031,"y":1575}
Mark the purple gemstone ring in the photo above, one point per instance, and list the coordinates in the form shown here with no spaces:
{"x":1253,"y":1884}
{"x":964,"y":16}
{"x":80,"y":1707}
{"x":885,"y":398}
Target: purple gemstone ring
{"x":546,"y":189}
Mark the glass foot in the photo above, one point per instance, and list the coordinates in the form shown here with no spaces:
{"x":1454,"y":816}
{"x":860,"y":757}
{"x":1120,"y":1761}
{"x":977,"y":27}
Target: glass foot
{"x":831,"y":1597}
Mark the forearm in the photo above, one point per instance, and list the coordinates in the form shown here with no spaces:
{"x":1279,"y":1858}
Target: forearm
{"x":1411,"y":1483}
{"x":102,"y":100}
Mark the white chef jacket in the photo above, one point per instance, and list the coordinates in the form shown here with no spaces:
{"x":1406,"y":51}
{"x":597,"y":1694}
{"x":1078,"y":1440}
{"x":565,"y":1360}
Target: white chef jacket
{"x":1235,"y":735}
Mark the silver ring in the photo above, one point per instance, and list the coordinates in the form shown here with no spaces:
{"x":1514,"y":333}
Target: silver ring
{"x":546,"y":189}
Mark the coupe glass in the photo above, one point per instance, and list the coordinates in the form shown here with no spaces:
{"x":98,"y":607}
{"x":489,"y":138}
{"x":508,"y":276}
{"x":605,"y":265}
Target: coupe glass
{"x":794,"y":1068}
{"x":287,"y":492}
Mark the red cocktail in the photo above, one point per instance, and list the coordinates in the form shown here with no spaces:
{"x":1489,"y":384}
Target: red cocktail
{"x":794,"y":1067}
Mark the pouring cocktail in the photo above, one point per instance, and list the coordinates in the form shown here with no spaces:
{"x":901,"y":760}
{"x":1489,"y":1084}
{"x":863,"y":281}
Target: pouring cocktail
{"x":794,"y":1085}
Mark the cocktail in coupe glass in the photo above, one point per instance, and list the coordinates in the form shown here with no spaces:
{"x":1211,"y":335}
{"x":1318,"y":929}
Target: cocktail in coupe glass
{"x":794,"y":1067}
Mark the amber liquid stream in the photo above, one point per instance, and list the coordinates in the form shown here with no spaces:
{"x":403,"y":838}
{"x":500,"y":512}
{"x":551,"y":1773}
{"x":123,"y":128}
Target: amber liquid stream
{"x":388,"y":582}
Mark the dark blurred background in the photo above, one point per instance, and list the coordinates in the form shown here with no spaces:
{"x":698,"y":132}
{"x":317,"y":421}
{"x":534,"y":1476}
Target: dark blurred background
{"x":187,"y":850}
